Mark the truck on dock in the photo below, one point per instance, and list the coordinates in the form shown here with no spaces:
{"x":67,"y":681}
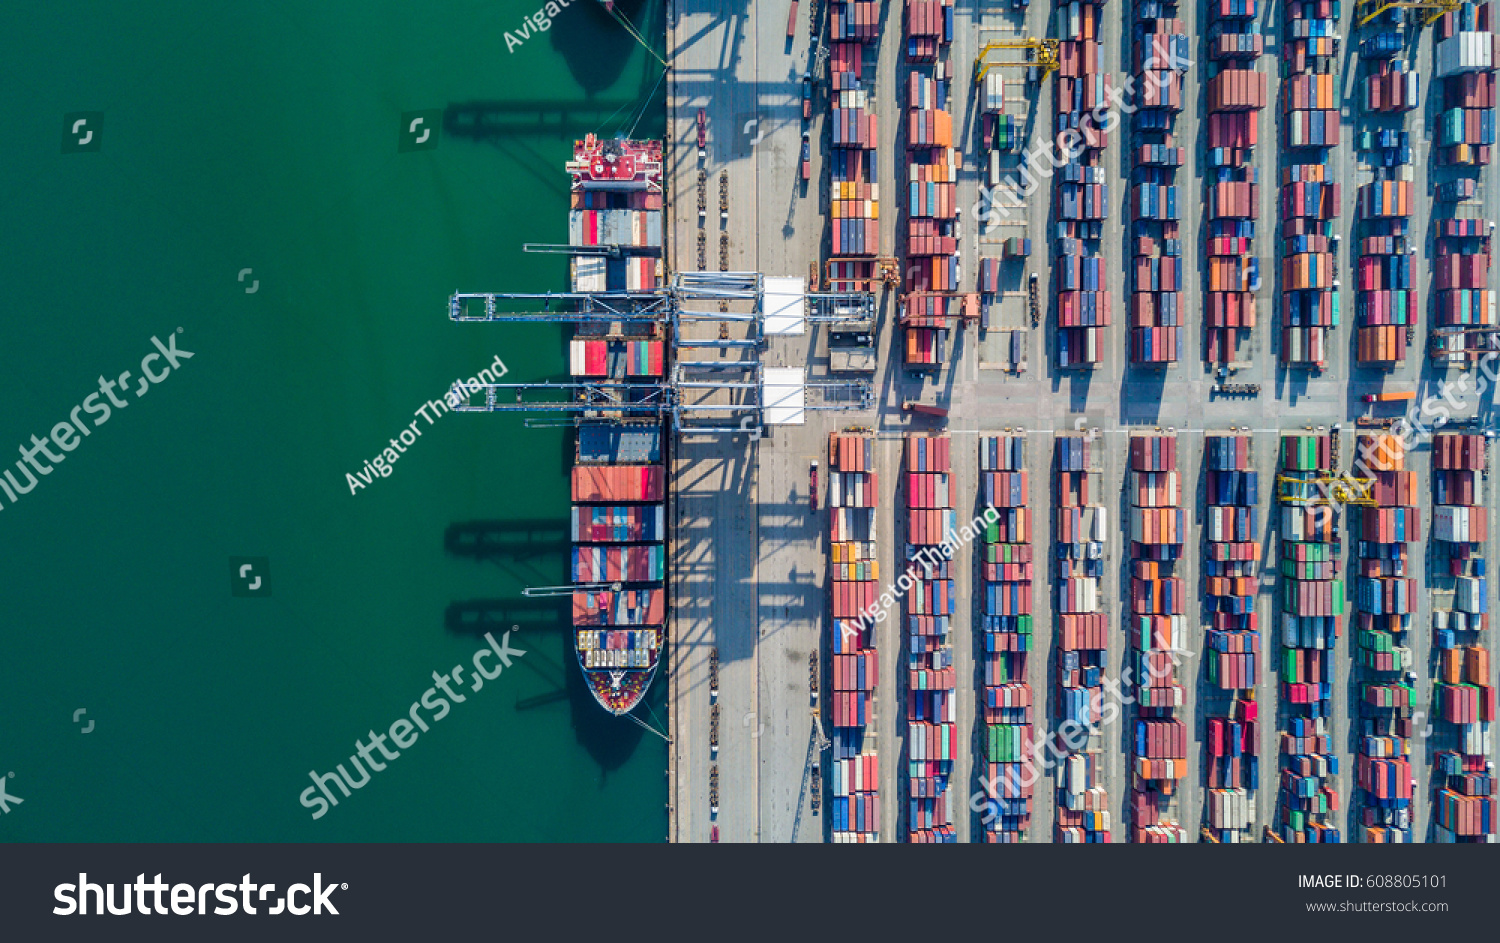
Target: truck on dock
{"x":1390,"y":397}
{"x":912,"y":406}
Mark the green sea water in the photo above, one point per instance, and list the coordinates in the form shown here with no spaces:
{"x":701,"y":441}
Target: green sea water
{"x":267,"y":137}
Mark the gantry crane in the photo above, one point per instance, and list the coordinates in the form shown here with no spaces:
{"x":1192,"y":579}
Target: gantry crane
{"x":1437,"y":8}
{"x":1341,"y":490}
{"x":1040,"y":54}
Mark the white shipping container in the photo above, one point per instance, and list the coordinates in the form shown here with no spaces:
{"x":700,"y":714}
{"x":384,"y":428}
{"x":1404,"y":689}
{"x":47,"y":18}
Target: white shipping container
{"x":1451,"y":524}
{"x":1476,"y":738}
{"x":994,"y":91}
{"x":1465,"y":52}
{"x":1468,"y":594}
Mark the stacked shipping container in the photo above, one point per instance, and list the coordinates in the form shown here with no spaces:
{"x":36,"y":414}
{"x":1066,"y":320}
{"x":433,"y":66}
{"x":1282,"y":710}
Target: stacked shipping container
{"x":1157,"y":627}
{"x":1464,"y":52}
{"x":853,"y":496}
{"x":1312,"y":602}
{"x":1309,"y":200}
{"x":1385,"y":280}
{"x":1386,"y":596}
{"x":931,"y":729}
{"x":1081,"y":634}
{"x":854,"y":193}
{"x":1005,"y":633}
{"x":1237,"y":93}
{"x":1465,"y":307}
{"x":1156,"y":310}
{"x":1082,"y":86}
{"x":1464,"y":788}
{"x":932,"y":190}
{"x":1232,"y":647}
{"x":1465,"y":315}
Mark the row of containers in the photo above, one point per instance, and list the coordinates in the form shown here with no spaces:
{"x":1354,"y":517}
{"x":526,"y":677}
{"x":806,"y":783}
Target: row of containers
{"x":1386,"y":525}
{"x":929,"y":601}
{"x":1386,"y":310}
{"x":1001,"y":134}
{"x":1236,"y":95}
{"x":1231,"y":572}
{"x":854,"y":192}
{"x":1309,"y":205}
{"x":1160,"y":55}
{"x":1464,"y":62}
{"x":932,"y":214}
{"x":1080,"y":191}
{"x":1310,"y":613}
{"x":1157,"y":626}
{"x":853,"y":500}
{"x":1464,"y":305}
{"x":1005,"y":635}
{"x":1464,"y":700}
{"x":1384,"y":276}
{"x":1081,"y":641}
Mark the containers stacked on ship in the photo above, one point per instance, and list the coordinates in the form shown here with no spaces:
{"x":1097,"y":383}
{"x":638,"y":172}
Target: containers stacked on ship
{"x":1312,"y":603}
{"x":931,"y":707}
{"x":615,"y":199}
{"x":853,"y":497}
{"x":1464,"y":786}
{"x":1309,"y":201}
{"x":1236,"y":94}
{"x":619,"y":474}
{"x":1464,"y":63}
{"x":854,"y":192}
{"x":1157,"y":628}
{"x":1231,"y":568}
{"x":619,"y":611}
{"x":1385,"y":598}
{"x":1160,"y":57}
{"x":1005,"y":567}
{"x":932,"y":268}
{"x":1082,"y":195}
{"x":1081,"y":642}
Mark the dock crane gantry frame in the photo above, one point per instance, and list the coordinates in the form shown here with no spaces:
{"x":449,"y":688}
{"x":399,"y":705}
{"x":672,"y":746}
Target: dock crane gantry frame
{"x":1438,"y":8}
{"x":1040,"y":53}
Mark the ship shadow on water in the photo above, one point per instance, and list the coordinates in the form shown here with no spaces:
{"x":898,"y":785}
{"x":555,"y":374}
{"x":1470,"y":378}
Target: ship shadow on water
{"x":596,"y":46}
{"x":610,"y":741}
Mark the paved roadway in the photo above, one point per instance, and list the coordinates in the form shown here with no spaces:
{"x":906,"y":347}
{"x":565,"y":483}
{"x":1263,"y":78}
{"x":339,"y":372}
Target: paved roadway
{"x":748,"y":558}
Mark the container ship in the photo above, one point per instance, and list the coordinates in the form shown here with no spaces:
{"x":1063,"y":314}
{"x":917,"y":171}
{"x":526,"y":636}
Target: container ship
{"x":619,"y":470}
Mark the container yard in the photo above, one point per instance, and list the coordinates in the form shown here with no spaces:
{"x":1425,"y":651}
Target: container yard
{"x":1006,"y":575}
{"x":1232,"y":644}
{"x":931,"y":679}
{"x":1230,"y":536}
{"x":1082,"y":638}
